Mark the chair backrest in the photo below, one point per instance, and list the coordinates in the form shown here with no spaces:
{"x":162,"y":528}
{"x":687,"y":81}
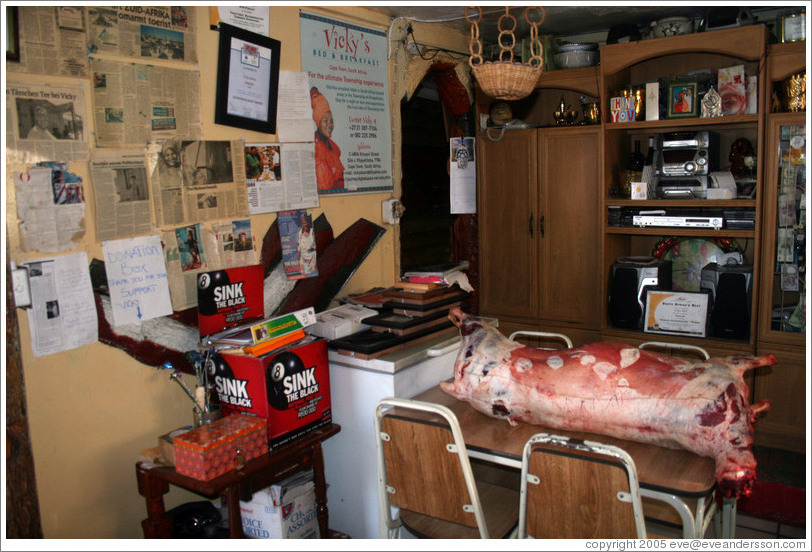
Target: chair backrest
{"x":574,"y":489}
{"x":676,"y":349}
{"x":539,"y":336}
{"x":423,"y":465}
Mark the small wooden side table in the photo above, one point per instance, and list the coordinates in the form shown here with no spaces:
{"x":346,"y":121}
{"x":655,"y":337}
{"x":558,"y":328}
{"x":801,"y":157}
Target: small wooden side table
{"x":302,"y":453}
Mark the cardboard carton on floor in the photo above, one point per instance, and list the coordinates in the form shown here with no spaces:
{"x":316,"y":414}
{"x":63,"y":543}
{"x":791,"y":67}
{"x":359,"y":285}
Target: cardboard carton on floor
{"x":283,"y":511}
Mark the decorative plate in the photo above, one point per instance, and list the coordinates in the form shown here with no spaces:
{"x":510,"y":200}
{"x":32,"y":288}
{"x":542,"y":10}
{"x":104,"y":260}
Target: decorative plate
{"x":688,"y":256}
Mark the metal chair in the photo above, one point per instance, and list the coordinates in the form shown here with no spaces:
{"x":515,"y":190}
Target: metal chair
{"x":701,"y":510}
{"x":424,"y":471}
{"x":538,"y":334}
{"x":574,"y":489}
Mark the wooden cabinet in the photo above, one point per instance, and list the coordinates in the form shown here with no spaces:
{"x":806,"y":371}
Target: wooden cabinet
{"x":538,"y":228}
{"x":784,"y":385}
{"x":783,"y":279}
{"x":782,"y":317}
{"x":624,"y":65}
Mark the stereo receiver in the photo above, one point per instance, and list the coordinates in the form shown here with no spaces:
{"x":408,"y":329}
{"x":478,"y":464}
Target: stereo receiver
{"x":687,"y":153}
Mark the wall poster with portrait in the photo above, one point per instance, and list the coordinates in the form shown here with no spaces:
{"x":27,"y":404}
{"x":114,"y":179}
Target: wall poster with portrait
{"x":349,"y":95}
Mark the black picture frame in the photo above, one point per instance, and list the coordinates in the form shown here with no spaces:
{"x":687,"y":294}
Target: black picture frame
{"x":225,"y":112}
{"x":12,"y":33}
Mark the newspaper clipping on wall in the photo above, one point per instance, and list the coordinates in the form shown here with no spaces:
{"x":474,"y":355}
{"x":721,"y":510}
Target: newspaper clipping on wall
{"x":160,"y":32}
{"x":122,"y":193}
{"x":52,"y":41}
{"x":280,"y":177}
{"x":203,"y":247}
{"x":197,"y":180}
{"x":63,"y":312}
{"x":45,"y":123}
{"x":134,"y":104}
{"x":51,"y":208}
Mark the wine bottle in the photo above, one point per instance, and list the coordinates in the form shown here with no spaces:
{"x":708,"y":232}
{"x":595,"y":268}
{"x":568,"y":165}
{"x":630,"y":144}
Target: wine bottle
{"x":650,"y":153}
{"x":636,"y":159}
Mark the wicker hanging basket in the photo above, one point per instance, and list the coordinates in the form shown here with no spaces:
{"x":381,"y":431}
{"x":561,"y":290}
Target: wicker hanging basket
{"x":506,"y":79}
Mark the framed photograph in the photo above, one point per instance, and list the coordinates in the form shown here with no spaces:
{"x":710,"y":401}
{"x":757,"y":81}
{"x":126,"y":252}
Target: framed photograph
{"x":682,"y":100}
{"x":793,"y":27}
{"x":12,"y":33}
{"x":247,"y":80}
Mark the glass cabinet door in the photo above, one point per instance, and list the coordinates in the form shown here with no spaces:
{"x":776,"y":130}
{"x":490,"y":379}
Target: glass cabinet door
{"x":785,"y":233}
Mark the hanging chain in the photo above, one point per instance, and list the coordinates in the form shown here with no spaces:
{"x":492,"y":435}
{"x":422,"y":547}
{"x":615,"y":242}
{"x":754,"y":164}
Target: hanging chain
{"x":474,"y":44}
{"x":536,"y":49}
{"x":504,"y":33}
{"x":507,"y":40}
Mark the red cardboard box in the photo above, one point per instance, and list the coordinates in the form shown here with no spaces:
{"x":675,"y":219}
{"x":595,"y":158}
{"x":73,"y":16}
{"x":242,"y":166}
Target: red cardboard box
{"x":289,"y":387}
{"x":230,"y":297}
{"x":221,"y":446}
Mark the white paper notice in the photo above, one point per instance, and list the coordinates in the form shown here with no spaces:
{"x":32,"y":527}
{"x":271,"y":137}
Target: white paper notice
{"x":136,"y":277}
{"x":463,"y":175}
{"x":294,"y":114}
{"x":63,"y":311}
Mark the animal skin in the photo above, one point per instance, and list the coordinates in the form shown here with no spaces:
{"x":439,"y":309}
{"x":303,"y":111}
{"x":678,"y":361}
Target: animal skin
{"x":617,"y":390}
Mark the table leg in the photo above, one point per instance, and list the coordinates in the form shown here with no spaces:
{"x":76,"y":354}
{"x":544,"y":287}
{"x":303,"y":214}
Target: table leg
{"x":320,"y":485}
{"x":234,"y":515}
{"x":157,"y":525}
{"x":728,"y":518}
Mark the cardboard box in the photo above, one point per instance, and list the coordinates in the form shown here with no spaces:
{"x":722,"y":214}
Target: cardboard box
{"x":288,"y":387}
{"x":341,"y":321}
{"x":221,"y":446}
{"x":166,"y":443}
{"x":283,"y":511}
{"x":230,"y":297}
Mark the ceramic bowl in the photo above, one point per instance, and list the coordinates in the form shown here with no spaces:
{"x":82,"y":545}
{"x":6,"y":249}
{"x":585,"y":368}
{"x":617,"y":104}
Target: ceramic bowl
{"x":671,"y":26}
{"x":576,"y":46}
{"x":576,"y":58}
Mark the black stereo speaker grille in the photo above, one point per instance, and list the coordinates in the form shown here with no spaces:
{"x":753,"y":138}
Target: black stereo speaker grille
{"x":730,"y":316}
{"x":624,"y":304}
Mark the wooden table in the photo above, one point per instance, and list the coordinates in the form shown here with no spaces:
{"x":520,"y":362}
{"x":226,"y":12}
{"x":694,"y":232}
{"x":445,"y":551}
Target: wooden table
{"x":673,"y":476}
{"x":302,"y":453}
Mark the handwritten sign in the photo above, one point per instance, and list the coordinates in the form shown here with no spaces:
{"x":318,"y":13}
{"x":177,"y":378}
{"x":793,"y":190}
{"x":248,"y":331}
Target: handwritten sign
{"x":136,"y":277}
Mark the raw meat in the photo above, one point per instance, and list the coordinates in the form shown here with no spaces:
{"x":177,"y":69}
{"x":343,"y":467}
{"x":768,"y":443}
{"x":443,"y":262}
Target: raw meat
{"x":617,"y":390}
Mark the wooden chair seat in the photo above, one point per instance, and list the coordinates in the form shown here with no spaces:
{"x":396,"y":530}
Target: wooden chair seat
{"x":501,"y":507}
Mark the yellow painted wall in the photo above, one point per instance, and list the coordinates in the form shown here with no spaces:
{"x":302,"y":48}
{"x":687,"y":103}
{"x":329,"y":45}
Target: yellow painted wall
{"x":91,"y":410}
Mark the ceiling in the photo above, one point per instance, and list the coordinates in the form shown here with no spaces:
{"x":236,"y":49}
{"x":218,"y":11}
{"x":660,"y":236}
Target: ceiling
{"x":559,"y":21}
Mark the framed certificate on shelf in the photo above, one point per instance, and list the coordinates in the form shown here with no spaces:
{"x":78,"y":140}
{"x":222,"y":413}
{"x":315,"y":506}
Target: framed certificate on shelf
{"x":677,"y":312}
{"x":247,"y":80}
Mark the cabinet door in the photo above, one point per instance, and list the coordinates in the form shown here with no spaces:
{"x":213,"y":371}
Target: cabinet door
{"x":508,"y":270}
{"x":782,"y":314}
{"x":568,"y":226}
{"x":784,"y":385}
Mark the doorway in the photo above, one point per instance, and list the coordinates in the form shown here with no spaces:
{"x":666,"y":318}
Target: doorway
{"x":429,"y":233}
{"x":426,"y":225}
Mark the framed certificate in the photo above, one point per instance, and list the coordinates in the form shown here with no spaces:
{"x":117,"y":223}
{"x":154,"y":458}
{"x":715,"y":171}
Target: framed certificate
{"x":247,"y":80}
{"x":677,"y":313}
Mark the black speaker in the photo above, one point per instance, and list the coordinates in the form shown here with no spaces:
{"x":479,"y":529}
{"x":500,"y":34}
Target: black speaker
{"x":630,"y":277}
{"x":730,"y":288}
